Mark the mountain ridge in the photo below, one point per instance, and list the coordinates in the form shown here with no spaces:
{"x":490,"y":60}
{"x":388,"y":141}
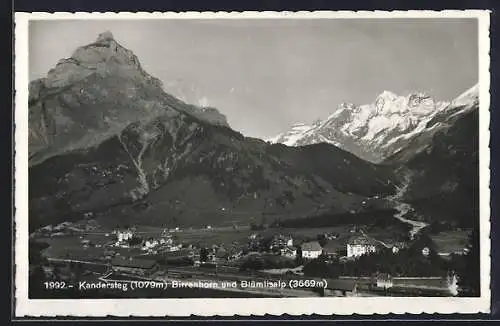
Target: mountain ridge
{"x":110,"y":143}
{"x":373,"y":131}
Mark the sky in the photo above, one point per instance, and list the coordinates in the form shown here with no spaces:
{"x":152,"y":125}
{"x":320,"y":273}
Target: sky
{"x":268,"y":74}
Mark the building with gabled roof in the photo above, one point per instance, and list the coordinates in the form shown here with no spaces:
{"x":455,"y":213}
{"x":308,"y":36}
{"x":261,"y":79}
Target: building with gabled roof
{"x":311,"y":250}
{"x":361,"y":245}
{"x":135,"y":266}
{"x":288,"y":252}
{"x":341,"y":287}
{"x":384,"y":280}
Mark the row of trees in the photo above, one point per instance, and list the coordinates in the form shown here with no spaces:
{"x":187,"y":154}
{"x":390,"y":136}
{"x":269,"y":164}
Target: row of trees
{"x":369,"y":265}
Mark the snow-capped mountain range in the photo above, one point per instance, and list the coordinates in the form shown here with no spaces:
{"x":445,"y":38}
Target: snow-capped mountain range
{"x":374,"y":131}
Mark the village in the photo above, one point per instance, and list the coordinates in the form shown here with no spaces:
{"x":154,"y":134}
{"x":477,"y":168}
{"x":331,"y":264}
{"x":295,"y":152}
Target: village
{"x":124,"y":252}
{"x":277,"y":244}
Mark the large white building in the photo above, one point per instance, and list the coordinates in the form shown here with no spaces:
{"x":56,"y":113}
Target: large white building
{"x":124,"y":236}
{"x":361,"y":245}
{"x":311,"y":250}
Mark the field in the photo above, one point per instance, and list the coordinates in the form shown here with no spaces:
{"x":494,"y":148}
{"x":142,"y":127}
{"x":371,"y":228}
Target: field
{"x":227,"y":235}
{"x":68,"y":246}
{"x":240,"y":235}
{"x":450,"y":241}
{"x":72,"y":247}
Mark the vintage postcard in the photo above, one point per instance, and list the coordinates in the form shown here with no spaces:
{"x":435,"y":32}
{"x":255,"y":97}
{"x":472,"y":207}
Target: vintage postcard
{"x":212,"y":163}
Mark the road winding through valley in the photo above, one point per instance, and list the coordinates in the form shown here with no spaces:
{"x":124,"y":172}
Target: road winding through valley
{"x":404,"y":208}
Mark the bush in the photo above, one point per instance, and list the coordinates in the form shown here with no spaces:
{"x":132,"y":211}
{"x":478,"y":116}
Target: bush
{"x":181,"y":261}
{"x":253,"y":263}
{"x":319,"y":268}
{"x":407,"y":262}
{"x":135,"y":241}
{"x":258,"y":262}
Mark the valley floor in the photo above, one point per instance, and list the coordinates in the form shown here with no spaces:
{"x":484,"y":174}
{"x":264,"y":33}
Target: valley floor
{"x":69,"y":249}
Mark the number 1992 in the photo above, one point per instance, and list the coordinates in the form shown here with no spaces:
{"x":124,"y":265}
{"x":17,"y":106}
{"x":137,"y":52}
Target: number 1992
{"x":54,"y":285}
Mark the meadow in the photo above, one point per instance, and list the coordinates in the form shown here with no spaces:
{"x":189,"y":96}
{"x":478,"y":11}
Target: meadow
{"x":450,"y":241}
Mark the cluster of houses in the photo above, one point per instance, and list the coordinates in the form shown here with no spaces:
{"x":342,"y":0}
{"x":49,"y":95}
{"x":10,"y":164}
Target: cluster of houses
{"x":361,"y":245}
{"x":123,"y":237}
{"x":223,"y":252}
{"x":356,"y":246}
{"x":330,"y":236}
{"x":278,"y":244}
{"x":63,"y":229}
{"x":151,"y":244}
{"x":283,"y":245}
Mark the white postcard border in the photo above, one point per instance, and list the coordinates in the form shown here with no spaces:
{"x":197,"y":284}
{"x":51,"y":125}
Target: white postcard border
{"x":237,"y":306}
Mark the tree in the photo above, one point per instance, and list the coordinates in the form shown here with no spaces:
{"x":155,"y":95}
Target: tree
{"x":322,"y":240}
{"x":319,"y":268}
{"x":253,"y":263}
{"x":203,"y":254}
{"x":135,"y":240}
{"x":298,"y":258}
{"x":469,"y":271}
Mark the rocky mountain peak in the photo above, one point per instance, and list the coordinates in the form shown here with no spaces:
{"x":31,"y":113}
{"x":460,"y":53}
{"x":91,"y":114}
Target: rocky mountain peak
{"x":94,"y":94}
{"x":105,"y":50}
{"x":105,"y":36}
{"x":104,"y":57}
{"x":387,"y":95}
{"x":469,"y":96}
{"x":347,"y":106}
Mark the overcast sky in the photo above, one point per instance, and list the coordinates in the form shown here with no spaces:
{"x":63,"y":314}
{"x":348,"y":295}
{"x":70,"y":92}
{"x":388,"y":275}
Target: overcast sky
{"x":265,"y":75}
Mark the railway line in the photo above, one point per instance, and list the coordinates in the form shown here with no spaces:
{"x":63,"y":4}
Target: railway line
{"x":233,"y":274}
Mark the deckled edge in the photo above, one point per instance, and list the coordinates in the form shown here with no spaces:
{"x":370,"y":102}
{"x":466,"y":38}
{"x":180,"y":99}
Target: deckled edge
{"x":472,"y":13}
{"x":240,"y":307}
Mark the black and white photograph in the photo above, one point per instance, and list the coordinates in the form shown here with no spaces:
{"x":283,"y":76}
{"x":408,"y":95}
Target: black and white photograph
{"x":265,"y":157}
